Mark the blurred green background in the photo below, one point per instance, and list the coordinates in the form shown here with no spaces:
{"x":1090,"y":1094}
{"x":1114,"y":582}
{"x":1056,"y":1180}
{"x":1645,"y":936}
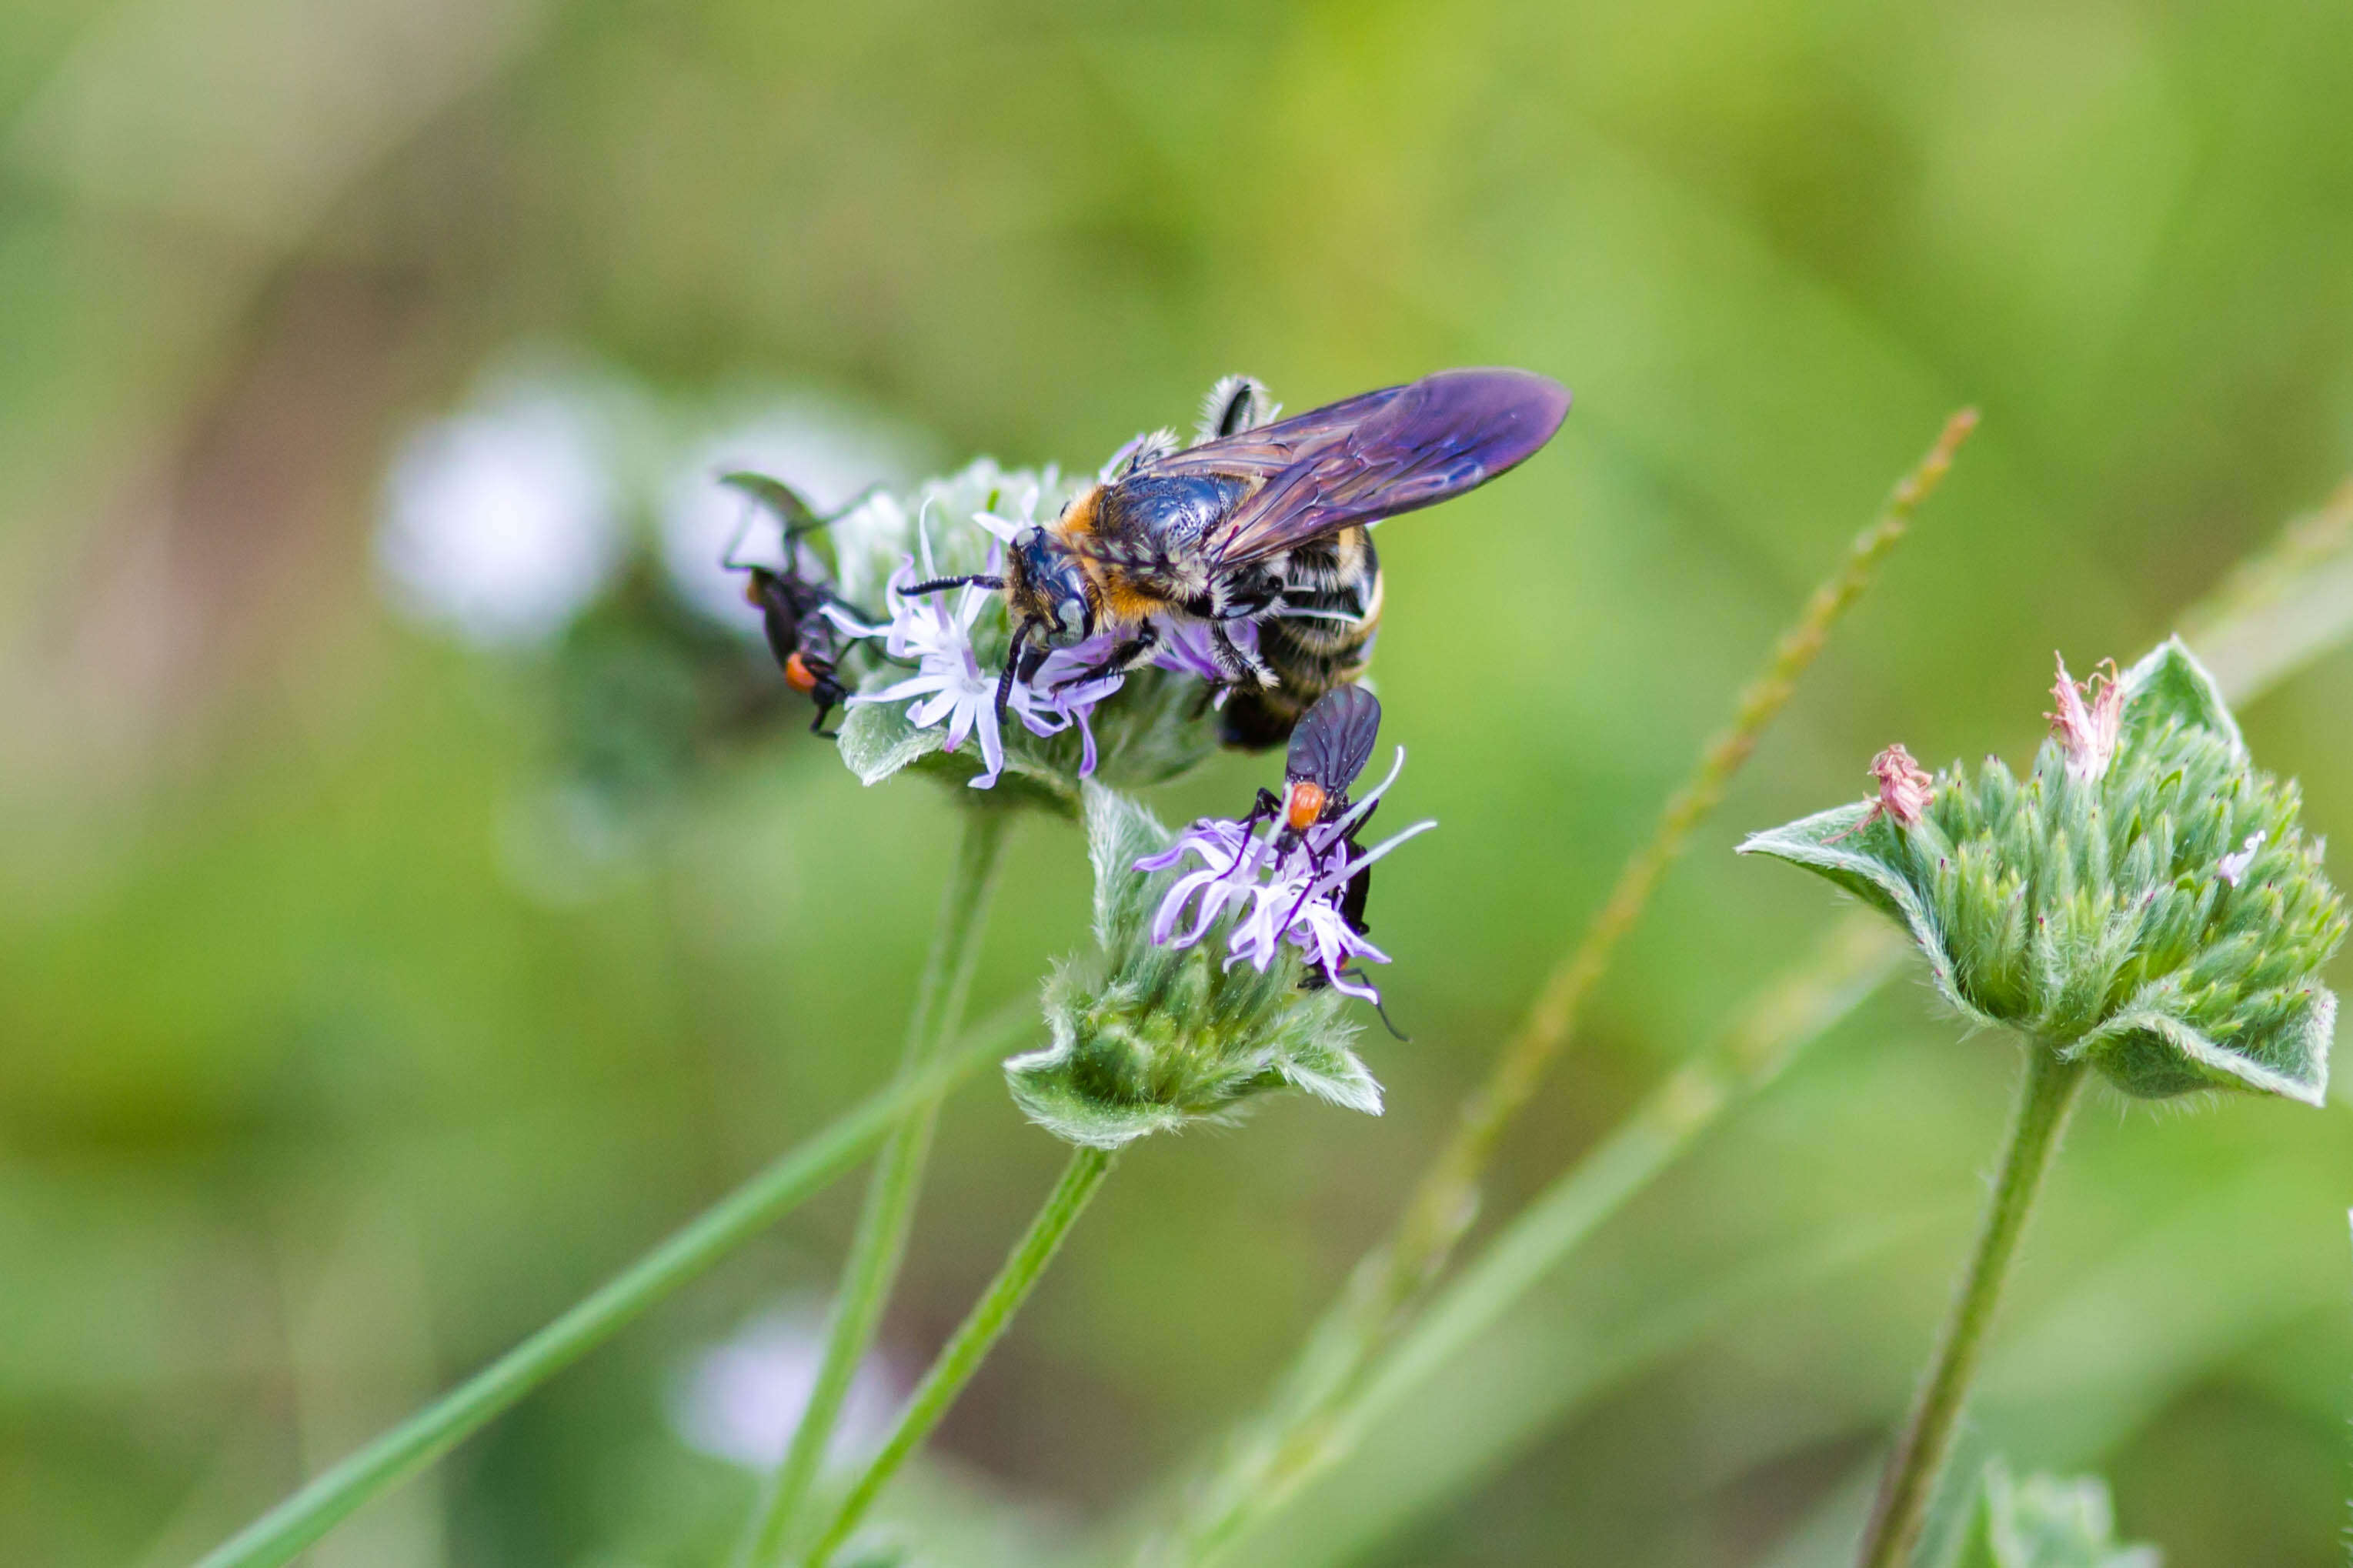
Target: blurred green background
{"x":374,"y":983}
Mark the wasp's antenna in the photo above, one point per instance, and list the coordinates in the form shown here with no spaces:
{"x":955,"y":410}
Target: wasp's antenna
{"x":1236,"y":404}
{"x":972,"y":580}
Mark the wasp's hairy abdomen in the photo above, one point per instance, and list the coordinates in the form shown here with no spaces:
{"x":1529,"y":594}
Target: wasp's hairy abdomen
{"x":1321,"y":639}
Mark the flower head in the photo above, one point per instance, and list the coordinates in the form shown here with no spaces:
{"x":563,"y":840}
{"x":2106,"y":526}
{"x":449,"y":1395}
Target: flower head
{"x":1158,"y":1031}
{"x":1300,"y":889}
{"x":1053,"y":730}
{"x":2090,"y":715}
{"x":2144,"y":899}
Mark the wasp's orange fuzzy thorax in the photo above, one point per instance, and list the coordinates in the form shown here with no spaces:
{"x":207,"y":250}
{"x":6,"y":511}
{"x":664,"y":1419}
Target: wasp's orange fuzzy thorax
{"x":1305,"y":805}
{"x":1078,"y":519}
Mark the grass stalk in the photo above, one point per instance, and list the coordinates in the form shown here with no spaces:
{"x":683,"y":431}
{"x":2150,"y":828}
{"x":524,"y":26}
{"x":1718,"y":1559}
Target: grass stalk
{"x":401,"y":1453}
{"x":960,"y":1357}
{"x":878,"y":1246}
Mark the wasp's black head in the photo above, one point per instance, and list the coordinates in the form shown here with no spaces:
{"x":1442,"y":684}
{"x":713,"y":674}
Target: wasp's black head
{"x":1046,"y":589}
{"x":1335,"y":739}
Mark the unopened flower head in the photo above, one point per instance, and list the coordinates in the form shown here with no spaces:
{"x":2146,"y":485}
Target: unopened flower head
{"x":2144,"y":899}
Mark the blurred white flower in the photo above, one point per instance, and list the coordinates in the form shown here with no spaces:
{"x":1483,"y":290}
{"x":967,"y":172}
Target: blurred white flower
{"x":827,"y":450}
{"x":502,"y":521}
{"x":741,"y":1399}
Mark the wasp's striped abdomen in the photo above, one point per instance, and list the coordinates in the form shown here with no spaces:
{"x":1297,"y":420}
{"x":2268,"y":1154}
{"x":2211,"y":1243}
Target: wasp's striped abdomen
{"x":1321,"y":638}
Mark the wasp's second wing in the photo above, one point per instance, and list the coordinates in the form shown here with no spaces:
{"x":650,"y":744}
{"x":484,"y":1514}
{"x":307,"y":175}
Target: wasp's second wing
{"x":1374,"y":456}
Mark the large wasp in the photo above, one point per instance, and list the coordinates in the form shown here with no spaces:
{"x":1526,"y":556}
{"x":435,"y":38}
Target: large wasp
{"x":1263,"y":523}
{"x":792,"y":599}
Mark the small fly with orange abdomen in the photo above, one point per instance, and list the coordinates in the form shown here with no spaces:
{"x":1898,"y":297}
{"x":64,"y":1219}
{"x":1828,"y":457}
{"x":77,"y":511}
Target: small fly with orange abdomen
{"x":1328,"y":751}
{"x":793,"y":600}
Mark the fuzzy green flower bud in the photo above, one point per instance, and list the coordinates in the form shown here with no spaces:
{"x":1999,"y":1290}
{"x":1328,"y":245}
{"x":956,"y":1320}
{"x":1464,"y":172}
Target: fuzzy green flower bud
{"x":2044,"y":1521}
{"x":2144,"y":900}
{"x":1149,"y":1038}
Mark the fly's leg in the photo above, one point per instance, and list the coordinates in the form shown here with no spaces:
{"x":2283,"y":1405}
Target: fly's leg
{"x":1269,"y":807}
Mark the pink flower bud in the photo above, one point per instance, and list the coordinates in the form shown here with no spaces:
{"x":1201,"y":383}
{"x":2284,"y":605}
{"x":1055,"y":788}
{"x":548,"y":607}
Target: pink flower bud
{"x":2088,"y":730}
{"x":1904,"y":787}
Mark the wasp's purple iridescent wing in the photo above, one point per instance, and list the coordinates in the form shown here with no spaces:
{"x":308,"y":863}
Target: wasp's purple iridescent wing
{"x":1373,"y":456}
{"x":1335,"y":738}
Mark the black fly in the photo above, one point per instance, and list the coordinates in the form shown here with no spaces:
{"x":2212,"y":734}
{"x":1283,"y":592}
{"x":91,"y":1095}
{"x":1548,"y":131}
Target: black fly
{"x":792,"y":600}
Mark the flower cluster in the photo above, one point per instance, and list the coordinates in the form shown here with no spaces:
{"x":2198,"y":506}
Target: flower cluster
{"x":1151,"y":1037}
{"x":951,"y":690}
{"x":1285,"y":888}
{"x":925,"y":667}
{"x":2143,"y":901}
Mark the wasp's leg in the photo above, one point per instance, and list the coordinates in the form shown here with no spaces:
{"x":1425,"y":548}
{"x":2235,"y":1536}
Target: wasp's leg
{"x":1243,"y":668}
{"x":1123,"y":658}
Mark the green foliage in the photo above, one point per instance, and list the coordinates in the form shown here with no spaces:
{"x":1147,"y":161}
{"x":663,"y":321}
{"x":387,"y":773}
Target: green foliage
{"x":2044,"y":1521}
{"x":1146,"y":1040}
{"x":2100,"y":916}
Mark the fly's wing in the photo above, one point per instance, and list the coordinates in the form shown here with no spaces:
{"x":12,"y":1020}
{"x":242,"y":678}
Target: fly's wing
{"x":1335,"y":738}
{"x":1373,"y":456}
{"x":785,"y":503}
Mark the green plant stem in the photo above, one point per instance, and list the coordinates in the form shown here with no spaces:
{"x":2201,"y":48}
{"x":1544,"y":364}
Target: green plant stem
{"x":970,"y":1344}
{"x":1381,"y":1290}
{"x":329,"y":1498}
{"x":879,"y":1244}
{"x":2046,"y":1094}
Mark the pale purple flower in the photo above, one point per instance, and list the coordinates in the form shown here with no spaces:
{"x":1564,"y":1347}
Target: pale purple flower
{"x":1023,"y":506}
{"x":1288,"y":887}
{"x":1229,"y":856}
{"x":1053,"y":700}
{"x":1185,"y":648}
{"x":949,"y":687}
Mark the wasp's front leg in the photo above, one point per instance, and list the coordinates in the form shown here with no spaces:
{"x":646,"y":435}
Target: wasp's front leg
{"x":1122,"y":659}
